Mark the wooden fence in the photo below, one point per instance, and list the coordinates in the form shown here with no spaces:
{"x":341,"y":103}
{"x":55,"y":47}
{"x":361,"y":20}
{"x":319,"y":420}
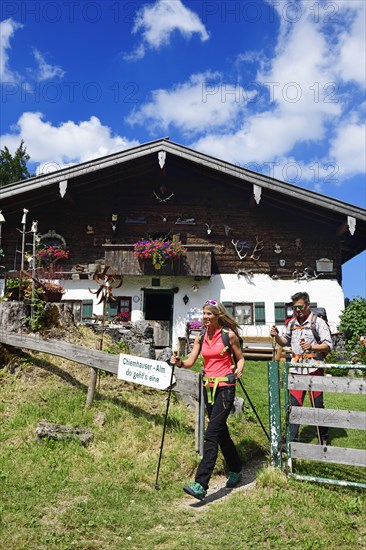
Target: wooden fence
{"x":333,"y":418}
{"x":188,"y":383}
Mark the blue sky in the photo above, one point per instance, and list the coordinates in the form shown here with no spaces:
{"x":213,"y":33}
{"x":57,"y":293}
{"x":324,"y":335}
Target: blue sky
{"x":275,"y":86}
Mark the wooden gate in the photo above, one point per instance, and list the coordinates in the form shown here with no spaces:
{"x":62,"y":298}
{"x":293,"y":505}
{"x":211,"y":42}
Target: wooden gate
{"x":333,"y":418}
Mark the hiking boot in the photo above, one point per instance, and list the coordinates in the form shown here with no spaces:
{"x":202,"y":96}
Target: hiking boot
{"x":233,"y":479}
{"x":195,"y":490}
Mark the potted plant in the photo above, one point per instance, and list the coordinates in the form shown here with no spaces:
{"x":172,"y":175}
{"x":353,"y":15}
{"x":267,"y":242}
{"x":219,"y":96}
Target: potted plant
{"x":53,"y":290}
{"x":51,"y":253}
{"x":48,"y":280}
{"x":159,"y":251}
{"x":195,"y":325}
{"x":122,"y":317}
{"x":12,"y":288}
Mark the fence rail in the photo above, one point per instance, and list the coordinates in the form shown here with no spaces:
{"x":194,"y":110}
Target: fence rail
{"x":186,"y":381}
{"x":333,"y":418}
{"x":324,"y":383}
{"x":336,"y":455}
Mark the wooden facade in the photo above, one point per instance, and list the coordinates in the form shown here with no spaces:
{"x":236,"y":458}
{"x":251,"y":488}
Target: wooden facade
{"x":206,"y":209}
{"x":237,"y":226}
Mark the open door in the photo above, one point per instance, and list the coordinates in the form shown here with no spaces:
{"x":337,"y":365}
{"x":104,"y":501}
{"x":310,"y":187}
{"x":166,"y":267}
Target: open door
{"x":158,"y":310}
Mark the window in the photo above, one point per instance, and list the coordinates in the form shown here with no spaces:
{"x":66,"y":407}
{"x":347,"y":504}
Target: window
{"x":243,"y":313}
{"x":121,"y":305}
{"x":246,"y":313}
{"x":284,"y":311}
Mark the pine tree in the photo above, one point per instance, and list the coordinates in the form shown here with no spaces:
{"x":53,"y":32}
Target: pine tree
{"x":13,"y":168}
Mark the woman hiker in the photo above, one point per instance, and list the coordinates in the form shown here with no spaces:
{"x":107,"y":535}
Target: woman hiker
{"x":219,"y":379}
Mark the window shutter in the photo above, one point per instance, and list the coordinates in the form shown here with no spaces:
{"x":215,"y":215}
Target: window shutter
{"x":259,"y":313}
{"x":229,"y":307}
{"x":280,"y":312}
{"x":87,"y":309}
{"x":112,"y":308}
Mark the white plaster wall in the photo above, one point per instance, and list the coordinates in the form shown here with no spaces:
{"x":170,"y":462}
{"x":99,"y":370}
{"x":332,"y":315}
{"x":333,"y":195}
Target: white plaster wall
{"x":225,"y":288}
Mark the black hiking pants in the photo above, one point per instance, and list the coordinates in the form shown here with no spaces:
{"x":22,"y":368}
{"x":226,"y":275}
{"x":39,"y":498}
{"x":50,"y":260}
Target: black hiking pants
{"x":217,"y":435}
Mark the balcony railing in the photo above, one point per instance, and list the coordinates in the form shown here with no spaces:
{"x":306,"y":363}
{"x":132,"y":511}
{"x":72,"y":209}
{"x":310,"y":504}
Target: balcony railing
{"x":197,"y":263}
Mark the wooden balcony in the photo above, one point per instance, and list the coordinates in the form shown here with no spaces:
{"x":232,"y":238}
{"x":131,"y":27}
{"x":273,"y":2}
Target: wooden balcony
{"x":197,"y":263}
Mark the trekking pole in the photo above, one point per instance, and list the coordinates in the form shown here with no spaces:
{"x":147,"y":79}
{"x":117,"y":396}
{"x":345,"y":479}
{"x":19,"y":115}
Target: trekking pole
{"x":157,"y":486}
{"x":255,"y":412}
{"x":273,"y":348}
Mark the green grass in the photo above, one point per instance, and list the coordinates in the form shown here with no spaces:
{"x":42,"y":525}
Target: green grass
{"x":61,"y":495}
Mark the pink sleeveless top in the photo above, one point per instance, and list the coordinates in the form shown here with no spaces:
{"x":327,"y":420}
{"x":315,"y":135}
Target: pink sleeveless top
{"x":216,"y":365}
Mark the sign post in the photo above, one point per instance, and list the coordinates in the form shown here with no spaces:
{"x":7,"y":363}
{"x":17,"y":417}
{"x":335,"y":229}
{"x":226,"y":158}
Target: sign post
{"x":148,"y":372}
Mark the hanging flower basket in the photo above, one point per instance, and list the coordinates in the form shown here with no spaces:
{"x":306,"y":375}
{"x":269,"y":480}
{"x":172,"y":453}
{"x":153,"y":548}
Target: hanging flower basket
{"x":50,"y":254}
{"x":159,"y":251}
{"x":52,"y":290}
{"x":52,"y":296}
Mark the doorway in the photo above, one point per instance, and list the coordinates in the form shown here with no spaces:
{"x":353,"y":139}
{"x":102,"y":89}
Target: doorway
{"x":158,"y":310}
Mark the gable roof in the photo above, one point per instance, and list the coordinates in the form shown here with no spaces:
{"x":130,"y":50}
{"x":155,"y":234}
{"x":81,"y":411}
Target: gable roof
{"x":145,"y":157}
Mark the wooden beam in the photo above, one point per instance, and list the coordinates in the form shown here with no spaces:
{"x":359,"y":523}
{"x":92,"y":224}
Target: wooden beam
{"x":338,"y":455}
{"x":327,"y":383}
{"x":332,"y":418}
{"x":252,"y":202}
{"x":342,"y":229}
{"x":70,"y":197}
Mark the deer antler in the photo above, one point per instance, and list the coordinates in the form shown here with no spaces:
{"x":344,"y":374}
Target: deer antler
{"x":238,"y":251}
{"x":257,"y":249}
{"x":247,"y":274}
{"x":161,"y":199}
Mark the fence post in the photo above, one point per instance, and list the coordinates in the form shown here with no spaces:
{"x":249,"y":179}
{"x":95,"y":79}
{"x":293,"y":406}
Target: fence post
{"x":93,"y":377}
{"x":274,"y":413}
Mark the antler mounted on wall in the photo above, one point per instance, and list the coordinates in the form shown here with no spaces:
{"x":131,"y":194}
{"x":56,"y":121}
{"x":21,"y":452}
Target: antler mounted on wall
{"x":247,"y":274}
{"x":241,"y":245}
{"x":257,"y":249}
{"x":305,"y":275}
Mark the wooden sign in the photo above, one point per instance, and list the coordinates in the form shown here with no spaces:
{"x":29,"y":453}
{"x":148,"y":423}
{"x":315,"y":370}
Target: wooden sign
{"x":148,"y":372}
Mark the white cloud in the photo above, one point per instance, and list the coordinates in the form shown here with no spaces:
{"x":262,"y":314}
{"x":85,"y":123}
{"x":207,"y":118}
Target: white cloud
{"x":45,"y":71}
{"x":352,"y":54}
{"x":7,"y":30}
{"x":262,"y":138}
{"x":157,"y":23}
{"x":204,"y":102}
{"x":67,"y":143}
{"x":348,"y":148}
{"x":307,"y":103}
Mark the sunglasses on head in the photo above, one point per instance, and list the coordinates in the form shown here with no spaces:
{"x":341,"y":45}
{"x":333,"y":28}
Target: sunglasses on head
{"x":211,"y":303}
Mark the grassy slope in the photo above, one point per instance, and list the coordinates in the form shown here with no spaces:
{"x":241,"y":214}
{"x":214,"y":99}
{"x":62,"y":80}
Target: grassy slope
{"x":62,"y":495}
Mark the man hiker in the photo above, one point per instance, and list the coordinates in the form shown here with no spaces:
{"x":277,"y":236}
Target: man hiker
{"x":310,"y":340}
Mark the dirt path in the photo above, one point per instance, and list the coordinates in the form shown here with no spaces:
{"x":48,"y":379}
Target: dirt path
{"x":217,"y":490}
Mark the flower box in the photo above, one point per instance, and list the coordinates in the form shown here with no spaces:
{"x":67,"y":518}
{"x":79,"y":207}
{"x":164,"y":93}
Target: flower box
{"x":159,"y":252}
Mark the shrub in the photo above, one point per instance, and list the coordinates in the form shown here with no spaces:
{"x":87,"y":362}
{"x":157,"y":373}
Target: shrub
{"x":353,"y":322}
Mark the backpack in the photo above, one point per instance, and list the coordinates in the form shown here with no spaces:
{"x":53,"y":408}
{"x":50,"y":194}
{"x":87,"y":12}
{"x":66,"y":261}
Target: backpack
{"x":316,"y":312}
{"x":225,"y":339}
